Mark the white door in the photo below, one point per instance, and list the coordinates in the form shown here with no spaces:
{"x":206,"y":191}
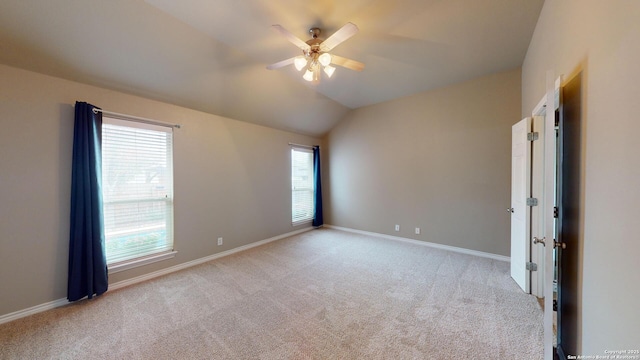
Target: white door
{"x":548,"y":208}
{"x":520,"y":185}
{"x":544,"y":188}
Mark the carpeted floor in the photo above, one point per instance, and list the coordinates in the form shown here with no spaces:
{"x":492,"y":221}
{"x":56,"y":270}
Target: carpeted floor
{"x":323,"y":294}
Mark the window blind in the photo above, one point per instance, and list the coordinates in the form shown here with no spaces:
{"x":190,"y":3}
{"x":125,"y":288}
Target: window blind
{"x":301,"y":185}
{"x":137,"y":188}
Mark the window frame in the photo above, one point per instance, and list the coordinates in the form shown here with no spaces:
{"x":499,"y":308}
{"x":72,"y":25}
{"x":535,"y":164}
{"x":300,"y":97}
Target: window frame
{"x":311,"y":189}
{"x":159,"y":254}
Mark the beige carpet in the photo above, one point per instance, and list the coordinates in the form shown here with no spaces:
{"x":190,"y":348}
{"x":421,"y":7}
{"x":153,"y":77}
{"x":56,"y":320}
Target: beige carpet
{"x":323,"y":294}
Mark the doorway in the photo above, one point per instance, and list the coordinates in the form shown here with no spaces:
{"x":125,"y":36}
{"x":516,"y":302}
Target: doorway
{"x":554,"y":230}
{"x":568,"y":222}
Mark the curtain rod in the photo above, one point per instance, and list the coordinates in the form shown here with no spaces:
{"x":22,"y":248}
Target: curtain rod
{"x":135,"y":118}
{"x":305,"y":146}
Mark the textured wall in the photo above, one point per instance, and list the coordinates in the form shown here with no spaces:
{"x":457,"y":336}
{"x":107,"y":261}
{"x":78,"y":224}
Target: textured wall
{"x":232,"y":179}
{"x":439,"y":160}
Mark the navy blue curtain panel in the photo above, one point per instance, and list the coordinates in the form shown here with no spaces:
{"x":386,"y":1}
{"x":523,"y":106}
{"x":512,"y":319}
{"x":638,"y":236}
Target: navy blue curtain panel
{"x":317,"y":195}
{"x":87,"y":260}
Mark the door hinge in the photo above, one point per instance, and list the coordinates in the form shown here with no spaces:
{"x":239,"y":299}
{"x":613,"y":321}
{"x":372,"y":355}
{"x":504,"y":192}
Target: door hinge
{"x":533,"y":136}
{"x":532,"y":201}
{"x":555,"y":212}
{"x":532,"y":266}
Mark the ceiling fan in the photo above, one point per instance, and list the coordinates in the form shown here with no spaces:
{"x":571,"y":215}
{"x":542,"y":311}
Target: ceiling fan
{"x":315,"y":52}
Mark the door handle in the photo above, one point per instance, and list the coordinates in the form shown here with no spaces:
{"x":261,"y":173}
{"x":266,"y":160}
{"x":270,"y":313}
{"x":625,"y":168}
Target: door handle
{"x":539,"y":241}
{"x":556,"y":244}
{"x":510,"y":210}
{"x":559,"y":244}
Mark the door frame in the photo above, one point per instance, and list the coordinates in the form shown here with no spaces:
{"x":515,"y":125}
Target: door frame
{"x":547,"y":202}
{"x":537,"y":213}
{"x":537,"y":187}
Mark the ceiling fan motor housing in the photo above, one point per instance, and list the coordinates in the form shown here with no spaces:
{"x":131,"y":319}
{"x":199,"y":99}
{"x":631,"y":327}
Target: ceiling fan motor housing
{"x":314,"y":44}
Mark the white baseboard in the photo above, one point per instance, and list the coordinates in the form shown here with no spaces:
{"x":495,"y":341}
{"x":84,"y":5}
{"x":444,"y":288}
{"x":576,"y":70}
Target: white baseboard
{"x":33,"y":310}
{"x":120,"y":284}
{"x":425,"y":243}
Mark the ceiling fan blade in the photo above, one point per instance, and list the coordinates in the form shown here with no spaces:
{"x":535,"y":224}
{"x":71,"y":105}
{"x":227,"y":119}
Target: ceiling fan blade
{"x":292,"y":38}
{"x":345,"y":32}
{"x":280,"y":64}
{"x":347,"y":63}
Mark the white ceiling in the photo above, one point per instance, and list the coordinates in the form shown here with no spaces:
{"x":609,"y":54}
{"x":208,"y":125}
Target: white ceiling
{"x":211,"y":55}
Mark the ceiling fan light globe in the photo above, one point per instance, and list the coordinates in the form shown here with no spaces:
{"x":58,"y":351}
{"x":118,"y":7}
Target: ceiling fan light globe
{"x":324,"y":59}
{"x":308,"y":75}
{"x":329,"y":70}
{"x":300,"y":62}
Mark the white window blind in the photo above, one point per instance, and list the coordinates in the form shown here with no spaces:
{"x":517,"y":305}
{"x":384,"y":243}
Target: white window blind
{"x":137,"y":188}
{"x":301,"y":185}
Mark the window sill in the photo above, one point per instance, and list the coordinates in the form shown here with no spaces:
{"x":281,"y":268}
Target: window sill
{"x":302,"y":222}
{"x":133,"y":263}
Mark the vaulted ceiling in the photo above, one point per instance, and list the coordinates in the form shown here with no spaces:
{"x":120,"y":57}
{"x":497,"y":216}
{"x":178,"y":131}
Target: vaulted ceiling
{"x":211,"y":55}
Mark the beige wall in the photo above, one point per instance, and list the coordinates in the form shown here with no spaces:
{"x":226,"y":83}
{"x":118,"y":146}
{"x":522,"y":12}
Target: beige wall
{"x":231,"y":180}
{"x":601,"y":39}
{"x":439,"y":160}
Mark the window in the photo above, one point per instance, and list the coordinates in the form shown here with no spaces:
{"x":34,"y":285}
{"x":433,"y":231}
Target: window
{"x":137,"y":189}
{"x":301,"y":185}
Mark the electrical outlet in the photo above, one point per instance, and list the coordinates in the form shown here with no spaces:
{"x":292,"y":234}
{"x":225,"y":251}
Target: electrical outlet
{"x":219,"y":241}
{"x":397,"y":227}
{"x":417,"y":231}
